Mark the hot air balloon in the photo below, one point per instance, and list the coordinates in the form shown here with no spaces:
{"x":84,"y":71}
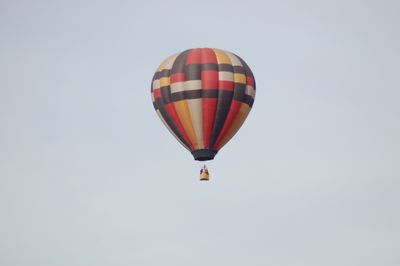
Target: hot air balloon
{"x":203,"y":96}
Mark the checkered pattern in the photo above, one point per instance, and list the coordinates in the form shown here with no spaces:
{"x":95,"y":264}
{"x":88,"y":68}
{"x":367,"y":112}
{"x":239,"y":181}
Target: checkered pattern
{"x":203,"y":96}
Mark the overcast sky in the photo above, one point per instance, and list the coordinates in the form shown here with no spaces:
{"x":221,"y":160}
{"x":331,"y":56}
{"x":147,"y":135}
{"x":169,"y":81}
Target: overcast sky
{"x":90,"y":176}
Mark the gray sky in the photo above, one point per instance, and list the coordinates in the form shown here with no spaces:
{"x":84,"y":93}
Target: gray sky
{"x":90,"y":176}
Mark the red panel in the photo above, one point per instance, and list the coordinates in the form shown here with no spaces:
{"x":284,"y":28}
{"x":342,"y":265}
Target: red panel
{"x":209,"y":84}
{"x":157,"y":93}
{"x":235,"y":107}
{"x":209,"y":106}
{"x":209,"y":74}
{"x":209,"y":79}
{"x":175,"y":119}
{"x":225,"y":85}
{"x":208,"y":56}
{"x":177,"y":77}
{"x":250,"y":81}
{"x":193,"y":57}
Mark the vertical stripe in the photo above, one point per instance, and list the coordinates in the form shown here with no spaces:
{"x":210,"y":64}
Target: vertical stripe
{"x":209,"y":105}
{"x":235,"y":126}
{"x":180,"y":119}
{"x":166,"y":111}
{"x":175,"y":119}
{"x":182,"y":110}
{"x":171,"y":131}
{"x":195,"y":109}
{"x":238,"y":94}
{"x":224,"y":99}
{"x":233,"y":111}
{"x":168,"y":121}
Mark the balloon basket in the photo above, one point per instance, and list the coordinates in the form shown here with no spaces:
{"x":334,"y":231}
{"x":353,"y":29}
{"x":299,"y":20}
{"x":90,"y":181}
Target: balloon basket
{"x":204,"y":174}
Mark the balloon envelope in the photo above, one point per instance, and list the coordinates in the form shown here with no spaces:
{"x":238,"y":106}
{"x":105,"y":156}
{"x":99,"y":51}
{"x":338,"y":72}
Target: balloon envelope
{"x":203,"y":96}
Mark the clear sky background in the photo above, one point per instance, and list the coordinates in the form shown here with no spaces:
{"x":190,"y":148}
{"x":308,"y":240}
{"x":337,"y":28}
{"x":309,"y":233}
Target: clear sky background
{"x":90,"y":176}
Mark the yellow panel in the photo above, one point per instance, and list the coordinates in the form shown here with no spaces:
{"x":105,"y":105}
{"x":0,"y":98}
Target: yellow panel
{"x":164,"y":81}
{"x":182,"y":110}
{"x":222,"y":58}
{"x":240,"y":78}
